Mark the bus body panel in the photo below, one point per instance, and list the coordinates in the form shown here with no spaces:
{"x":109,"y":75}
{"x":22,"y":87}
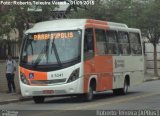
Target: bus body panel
{"x":128,"y":65}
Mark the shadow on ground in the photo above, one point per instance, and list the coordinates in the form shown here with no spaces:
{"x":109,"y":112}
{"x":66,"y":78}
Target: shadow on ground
{"x":97,"y":97}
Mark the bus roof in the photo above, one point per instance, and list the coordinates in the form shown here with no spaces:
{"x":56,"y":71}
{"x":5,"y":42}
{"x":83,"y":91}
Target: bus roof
{"x":61,"y":24}
{"x":73,"y":24}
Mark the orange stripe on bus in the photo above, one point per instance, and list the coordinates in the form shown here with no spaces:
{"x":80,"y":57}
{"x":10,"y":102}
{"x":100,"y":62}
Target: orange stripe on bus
{"x":100,"y":26}
{"x":89,"y":25}
{"x":37,"y":75}
{"x":96,"y":22}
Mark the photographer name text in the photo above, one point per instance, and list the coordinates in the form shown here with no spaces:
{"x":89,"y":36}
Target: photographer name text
{"x":29,"y":3}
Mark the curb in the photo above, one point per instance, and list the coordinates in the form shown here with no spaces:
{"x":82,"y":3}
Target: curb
{"x":25,"y":98}
{"x":152,"y":79}
{"x":15,"y":100}
{"x":9,"y":101}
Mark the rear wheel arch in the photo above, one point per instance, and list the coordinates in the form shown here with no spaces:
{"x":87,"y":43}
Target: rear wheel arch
{"x":124,"y":90}
{"x":93,"y":84}
{"x":127,"y":79}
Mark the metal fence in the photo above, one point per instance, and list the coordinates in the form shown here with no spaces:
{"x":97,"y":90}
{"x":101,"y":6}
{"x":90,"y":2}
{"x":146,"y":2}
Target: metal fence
{"x":149,"y":59}
{"x":9,"y":47}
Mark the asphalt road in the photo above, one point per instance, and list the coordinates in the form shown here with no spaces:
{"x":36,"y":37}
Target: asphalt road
{"x":141,"y":100}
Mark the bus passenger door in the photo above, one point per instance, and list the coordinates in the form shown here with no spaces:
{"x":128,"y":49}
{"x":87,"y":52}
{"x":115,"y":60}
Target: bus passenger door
{"x":88,"y":50}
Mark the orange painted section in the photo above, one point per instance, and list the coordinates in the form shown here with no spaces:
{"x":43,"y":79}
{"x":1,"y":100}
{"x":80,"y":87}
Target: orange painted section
{"x":89,"y":25}
{"x":100,"y":26}
{"x":89,"y":69}
{"x":102,"y":66}
{"x":37,"y":75}
{"x":86,"y":81}
{"x":96,"y":22}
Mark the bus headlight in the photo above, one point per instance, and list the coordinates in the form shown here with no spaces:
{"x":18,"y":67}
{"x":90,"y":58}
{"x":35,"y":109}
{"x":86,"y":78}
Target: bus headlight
{"x":74,"y":76}
{"x":24,"y":79}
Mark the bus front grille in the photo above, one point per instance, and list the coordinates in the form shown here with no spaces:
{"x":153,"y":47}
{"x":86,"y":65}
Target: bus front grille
{"x":48,"y":81}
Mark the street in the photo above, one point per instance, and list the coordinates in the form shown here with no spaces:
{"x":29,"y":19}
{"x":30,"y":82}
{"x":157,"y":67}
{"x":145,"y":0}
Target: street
{"x":141,"y":97}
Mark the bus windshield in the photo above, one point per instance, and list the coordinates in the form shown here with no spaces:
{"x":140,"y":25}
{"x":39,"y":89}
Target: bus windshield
{"x":51,"y":48}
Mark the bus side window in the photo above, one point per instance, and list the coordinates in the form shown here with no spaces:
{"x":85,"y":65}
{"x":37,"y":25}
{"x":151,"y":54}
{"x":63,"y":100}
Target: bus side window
{"x":135,"y":42}
{"x":101,"y":41}
{"x":112,"y":43}
{"x":123,"y":39}
{"x":88,"y":44}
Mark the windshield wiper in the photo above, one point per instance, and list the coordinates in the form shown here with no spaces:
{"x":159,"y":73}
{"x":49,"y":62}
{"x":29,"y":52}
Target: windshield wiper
{"x":39,"y":58}
{"x":56,"y":53}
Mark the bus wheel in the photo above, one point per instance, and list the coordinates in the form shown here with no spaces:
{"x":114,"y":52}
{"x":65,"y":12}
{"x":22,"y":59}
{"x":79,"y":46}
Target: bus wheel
{"x":38,"y":99}
{"x":89,"y":96}
{"x":116,"y":91}
{"x":124,"y":90}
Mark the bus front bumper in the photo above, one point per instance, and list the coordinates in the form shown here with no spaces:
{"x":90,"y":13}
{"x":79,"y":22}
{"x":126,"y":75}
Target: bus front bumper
{"x":54,"y":90}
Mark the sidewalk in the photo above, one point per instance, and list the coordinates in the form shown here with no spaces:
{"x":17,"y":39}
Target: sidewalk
{"x":6,"y":98}
{"x":150,"y":77}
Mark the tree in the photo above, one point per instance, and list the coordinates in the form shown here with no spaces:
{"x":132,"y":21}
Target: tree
{"x":95,"y":11}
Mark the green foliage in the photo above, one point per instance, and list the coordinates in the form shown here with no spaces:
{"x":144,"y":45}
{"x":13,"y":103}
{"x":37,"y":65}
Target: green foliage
{"x":92,"y":11}
{"x":19,"y":17}
{"x":6,"y":23}
{"x":150,"y":22}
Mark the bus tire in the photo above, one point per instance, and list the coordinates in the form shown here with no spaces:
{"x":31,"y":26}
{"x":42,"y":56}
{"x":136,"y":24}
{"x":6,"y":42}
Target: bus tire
{"x":38,"y":99}
{"x":116,"y":91}
{"x":89,"y":96}
{"x":122,"y":91}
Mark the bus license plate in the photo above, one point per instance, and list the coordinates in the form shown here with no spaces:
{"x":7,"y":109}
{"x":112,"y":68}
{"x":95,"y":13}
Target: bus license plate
{"x":48,"y":91}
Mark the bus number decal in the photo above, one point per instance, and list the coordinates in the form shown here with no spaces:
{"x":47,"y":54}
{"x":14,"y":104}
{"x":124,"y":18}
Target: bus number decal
{"x":58,"y":75}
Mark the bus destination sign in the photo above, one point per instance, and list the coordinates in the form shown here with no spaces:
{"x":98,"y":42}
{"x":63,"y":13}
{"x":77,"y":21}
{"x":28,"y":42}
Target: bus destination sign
{"x":54,"y":35}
